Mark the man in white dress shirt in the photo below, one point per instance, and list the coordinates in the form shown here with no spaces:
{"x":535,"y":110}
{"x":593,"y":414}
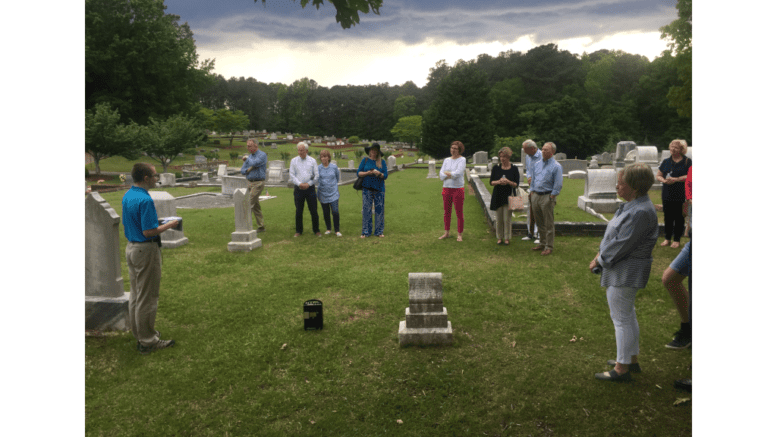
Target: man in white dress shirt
{"x":303,"y":172}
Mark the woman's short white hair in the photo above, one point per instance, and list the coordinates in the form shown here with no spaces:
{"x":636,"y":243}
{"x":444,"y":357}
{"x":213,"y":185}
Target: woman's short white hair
{"x":302,"y":143}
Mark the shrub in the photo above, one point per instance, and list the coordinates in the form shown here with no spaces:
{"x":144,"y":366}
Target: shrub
{"x":178,"y":175}
{"x":353,"y":140}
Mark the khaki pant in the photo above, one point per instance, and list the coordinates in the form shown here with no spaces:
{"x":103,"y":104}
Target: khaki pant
{"x":504,"y":222}
{"x":144,"y":261}
{"x":255,"y":189}
{"x":542,"y":207}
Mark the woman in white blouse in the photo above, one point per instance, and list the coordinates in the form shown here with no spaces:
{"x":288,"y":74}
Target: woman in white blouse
{"x":452,"y":176}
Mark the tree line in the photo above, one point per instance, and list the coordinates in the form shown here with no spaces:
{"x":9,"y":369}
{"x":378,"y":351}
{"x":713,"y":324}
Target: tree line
{"x":585,"y":104}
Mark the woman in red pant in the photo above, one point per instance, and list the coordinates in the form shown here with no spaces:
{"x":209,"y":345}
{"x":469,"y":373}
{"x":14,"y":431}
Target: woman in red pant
{"x":452,"y":176}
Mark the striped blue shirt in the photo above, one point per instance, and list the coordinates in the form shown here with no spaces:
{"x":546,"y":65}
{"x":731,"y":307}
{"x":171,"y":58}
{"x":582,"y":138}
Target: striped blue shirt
{"x":626,"y":251}
{"x":530,"y":161}
{"x":547,"y":176}
{"x":328,"y":178}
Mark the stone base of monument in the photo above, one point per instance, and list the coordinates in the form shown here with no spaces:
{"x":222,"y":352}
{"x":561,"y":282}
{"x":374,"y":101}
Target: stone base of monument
{"x":244,"y":241}
{"x":176,"y":242}
{"x":425,"y":336}
{"x":426,"y":319}
{"x":602,"y":206}
{"x":107,"y":313}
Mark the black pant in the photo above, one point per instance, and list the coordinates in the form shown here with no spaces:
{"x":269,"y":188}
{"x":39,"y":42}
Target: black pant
{"x":674,"y":222}
{"x":300,"y":197}
{"x":326,"y":207}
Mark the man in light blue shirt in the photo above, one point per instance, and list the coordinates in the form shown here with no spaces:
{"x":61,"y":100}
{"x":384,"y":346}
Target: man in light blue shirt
{"x":547,"y":179}
{"x":533,"y":155}
{"x":255,"y":168}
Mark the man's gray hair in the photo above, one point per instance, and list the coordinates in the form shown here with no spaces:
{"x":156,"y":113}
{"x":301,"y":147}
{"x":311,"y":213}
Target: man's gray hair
{"x":252,"y":140}
{"x":302,"y":143}
{"x":552,"y":146}
{"x":530,"y":143}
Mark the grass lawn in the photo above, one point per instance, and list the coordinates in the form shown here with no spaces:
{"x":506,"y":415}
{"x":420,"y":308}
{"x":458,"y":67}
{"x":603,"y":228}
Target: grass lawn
{"x":243,"y":365}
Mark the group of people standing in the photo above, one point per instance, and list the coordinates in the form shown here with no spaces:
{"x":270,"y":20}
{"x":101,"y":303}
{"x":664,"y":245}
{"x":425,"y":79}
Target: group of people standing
{"x":544,"y":176}
{"x":624,"y":258}
{"x":305,"y":173}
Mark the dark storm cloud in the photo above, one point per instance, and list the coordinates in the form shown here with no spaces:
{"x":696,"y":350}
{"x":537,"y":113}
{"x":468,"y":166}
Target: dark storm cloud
{"x":412,"y":21}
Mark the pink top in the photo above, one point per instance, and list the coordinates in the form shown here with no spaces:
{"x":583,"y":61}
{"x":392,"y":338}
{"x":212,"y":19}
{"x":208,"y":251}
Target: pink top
{"x":688,"y":184}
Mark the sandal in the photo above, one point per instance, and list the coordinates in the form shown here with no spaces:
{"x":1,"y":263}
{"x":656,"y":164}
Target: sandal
{"x":613,"y":376}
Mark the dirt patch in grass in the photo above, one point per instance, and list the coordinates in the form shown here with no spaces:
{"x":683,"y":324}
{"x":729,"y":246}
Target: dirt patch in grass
{"x":360,"y":314}
{"x":270,"y":245}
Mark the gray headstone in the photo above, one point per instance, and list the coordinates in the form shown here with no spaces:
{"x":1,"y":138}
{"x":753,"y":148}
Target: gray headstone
{"x":107,"y":305}
{"x":432,"y":170}
{"x":244,"y":238}
{"x":426,"y":319}
{"x":647,"y":154}
{"x":164,"y":203}
{"x":577,"y":174}
{"x":569,"y":165}
{"x":392,"y":162}
{"x":480,"y":158}
{"x":350,"y":164}
{"x":275,"y":172}
{"x":103,"y":261}
{"x":221,"y":172}
{"x":600,"y":193}
{"x":622,"y":149}
{"x":167,"y":179}
{"x":200,"y":159}
{"x":205,"y":178}
{"x":560,"y":156}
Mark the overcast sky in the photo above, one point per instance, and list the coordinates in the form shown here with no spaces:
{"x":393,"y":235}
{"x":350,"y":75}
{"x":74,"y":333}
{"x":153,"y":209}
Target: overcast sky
{"x":281,"y":42}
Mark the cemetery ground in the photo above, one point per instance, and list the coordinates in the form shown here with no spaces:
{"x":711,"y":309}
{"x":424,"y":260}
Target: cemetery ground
{"x":119,"y":164}
{"x":243,"y":365}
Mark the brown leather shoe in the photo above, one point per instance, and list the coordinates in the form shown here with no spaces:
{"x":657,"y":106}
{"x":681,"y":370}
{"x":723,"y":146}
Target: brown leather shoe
{"x":540,"y":247}
{"x":546,"y":252}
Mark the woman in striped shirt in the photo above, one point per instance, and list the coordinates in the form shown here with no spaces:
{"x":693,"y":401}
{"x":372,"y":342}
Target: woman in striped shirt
{"x":625,"y":257}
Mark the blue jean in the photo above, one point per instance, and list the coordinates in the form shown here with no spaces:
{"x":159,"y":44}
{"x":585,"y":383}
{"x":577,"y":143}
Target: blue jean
{"x":309,"y":196}
{"x":335,"y":215}
{"x":370,"y":197}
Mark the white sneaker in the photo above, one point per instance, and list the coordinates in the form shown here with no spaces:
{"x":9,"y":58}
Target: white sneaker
{"x":526,"y":238}
{"x":339,"y":234}
{"x":537,"y":241}
{"x":327,"y":232}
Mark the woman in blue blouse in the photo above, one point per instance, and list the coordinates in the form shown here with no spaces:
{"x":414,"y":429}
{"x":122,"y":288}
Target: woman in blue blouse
{"x":328,"y":194}
{"x":374,"y":171}
{"x":625,"y":257}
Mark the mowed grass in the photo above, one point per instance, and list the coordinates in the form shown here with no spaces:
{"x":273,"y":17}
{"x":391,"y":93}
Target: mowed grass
{"x":243,"y":365}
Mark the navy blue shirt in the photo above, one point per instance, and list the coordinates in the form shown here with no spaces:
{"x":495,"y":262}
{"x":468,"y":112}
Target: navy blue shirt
{"x":674,"y":192}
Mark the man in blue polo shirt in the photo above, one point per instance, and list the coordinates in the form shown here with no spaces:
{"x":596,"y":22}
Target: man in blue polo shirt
{"x":144,"y":257}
